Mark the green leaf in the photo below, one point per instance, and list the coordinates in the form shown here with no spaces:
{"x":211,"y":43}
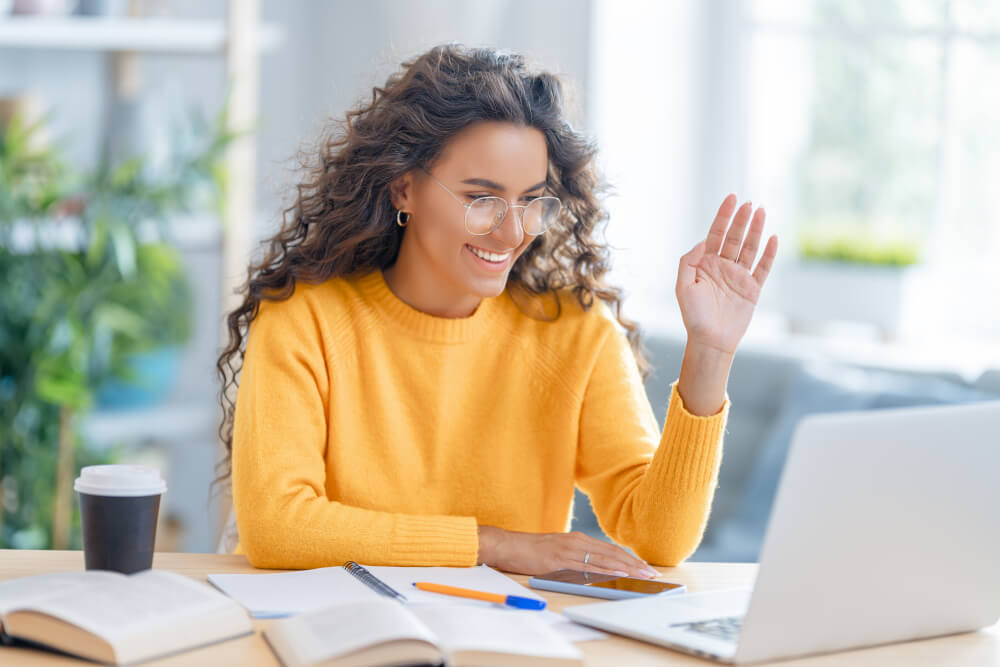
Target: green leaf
{"x":56,"y":381}
{"x":126,"y":173}
{"x":860,"y":248}
{"x":119,"y":319}
{"x":123,"y":242}
{"x":97,"y":248}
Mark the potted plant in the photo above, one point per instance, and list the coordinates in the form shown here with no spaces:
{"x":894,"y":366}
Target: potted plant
{"x":848,"y":275}
{"x":89,"y":285}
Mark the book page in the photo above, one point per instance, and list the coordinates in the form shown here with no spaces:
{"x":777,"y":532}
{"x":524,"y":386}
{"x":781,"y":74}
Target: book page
{"x":27,"y":590}
{"x":571,"y":630}
{"x":122,"y":606}
{"x":346,"y":628}
{"x":516,"y":631}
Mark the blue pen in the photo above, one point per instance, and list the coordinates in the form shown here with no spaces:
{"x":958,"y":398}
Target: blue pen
{"x":509,"y":600}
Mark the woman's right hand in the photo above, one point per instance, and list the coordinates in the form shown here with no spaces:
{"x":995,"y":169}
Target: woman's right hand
{"x":540,"y":553}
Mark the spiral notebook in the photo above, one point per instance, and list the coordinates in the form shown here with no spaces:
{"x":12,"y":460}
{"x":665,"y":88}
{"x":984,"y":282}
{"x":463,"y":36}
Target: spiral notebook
{"x":371,"y":581}
{"x":290,"y":593}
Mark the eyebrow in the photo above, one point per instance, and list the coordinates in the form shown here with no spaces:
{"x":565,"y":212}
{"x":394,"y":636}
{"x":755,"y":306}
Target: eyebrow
{"x":496,"y":186}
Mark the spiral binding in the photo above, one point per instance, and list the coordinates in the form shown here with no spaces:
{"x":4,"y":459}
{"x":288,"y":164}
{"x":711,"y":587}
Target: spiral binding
{"x":371,"y":581}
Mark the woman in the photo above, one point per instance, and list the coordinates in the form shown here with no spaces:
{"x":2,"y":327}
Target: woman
{"x":431,"y":359}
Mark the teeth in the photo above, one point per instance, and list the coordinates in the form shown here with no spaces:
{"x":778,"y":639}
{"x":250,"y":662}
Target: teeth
{"x":489,"y":256}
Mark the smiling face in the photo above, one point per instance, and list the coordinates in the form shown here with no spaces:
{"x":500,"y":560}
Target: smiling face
{"x":442,"y":269}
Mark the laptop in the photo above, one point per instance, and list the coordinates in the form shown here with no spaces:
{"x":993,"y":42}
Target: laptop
{"x":884,"y":529}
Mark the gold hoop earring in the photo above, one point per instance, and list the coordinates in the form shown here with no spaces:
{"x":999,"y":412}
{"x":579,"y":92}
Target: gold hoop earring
{"x":400,"y":220}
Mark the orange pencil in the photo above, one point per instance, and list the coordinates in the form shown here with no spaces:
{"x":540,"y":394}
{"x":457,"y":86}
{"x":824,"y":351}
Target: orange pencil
{"x":499,"y":598}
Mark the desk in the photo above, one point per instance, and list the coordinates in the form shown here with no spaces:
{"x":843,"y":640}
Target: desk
{"x":976,"y":648}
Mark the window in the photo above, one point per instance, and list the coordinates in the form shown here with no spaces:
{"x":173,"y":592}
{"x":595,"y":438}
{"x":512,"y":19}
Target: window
{"x":878,"y":119}
{"x":843,"y":117}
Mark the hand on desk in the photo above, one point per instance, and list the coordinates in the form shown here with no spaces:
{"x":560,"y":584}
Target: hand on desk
{"x":539,"y":553}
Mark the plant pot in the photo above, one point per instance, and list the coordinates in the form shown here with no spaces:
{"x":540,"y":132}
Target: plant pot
{"x":813,"y":293}
{"x":114,"y":8}
{"x":154,"y":374}
{"x":44,"y":7}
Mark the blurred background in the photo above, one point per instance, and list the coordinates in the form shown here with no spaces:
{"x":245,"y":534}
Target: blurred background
{"x":146,"y":146}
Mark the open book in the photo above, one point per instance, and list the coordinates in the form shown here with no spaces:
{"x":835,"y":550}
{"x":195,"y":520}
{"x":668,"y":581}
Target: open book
{"x":385,"y":632}
{"x":114,"y":618}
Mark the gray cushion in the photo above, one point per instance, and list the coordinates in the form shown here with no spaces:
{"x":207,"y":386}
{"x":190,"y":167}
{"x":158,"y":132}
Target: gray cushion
{"x":817,"y":388}
{"x":756,"y":383}
{"x":989,"y":381}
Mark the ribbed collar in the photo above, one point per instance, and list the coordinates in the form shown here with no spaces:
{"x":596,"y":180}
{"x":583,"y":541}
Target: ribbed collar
{"x":422,"y":325}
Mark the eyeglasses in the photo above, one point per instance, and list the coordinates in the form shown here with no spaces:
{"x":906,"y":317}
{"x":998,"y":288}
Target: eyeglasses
{"x":483,"y":215}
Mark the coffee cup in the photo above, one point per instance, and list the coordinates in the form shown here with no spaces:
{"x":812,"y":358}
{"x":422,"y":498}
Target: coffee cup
{"x":119,"y":505}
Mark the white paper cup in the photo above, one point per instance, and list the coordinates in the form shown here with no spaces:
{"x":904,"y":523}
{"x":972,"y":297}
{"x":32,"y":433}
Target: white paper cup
{"x":119,"y":505}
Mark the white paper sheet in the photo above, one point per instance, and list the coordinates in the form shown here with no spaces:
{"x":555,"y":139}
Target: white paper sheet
{"x":289,"y":593}
{"x":571,"y":630}
{"x":481,"y":578}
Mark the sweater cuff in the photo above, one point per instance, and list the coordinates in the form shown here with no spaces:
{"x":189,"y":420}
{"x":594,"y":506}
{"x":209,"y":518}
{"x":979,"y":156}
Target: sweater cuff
{"x":435,"y":540}
{"x":693,"y":443}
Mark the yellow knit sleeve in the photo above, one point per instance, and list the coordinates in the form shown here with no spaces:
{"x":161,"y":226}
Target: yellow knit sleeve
{"x":284,"y":516}
{"x":651,"y":491}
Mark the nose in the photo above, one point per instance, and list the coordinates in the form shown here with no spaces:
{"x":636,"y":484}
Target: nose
{"x":510,"y":232}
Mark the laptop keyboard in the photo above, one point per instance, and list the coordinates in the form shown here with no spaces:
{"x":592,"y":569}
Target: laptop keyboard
{"x":726,"y":629}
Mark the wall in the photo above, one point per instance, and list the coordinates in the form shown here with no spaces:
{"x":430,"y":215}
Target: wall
{"x":336,"y":51}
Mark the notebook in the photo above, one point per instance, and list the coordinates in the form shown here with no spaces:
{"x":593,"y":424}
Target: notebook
{"x":289,"y":593}
{"x":384,"y":632}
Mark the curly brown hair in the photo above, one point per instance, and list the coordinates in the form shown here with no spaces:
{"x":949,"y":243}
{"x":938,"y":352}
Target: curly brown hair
{"x":342,"y":222}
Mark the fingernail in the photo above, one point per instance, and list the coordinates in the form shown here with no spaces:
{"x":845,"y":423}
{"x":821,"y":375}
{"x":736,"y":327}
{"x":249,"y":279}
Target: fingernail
{"x":652,"y":573}
{"x":619,"y":573}
{"x":749,"y":203}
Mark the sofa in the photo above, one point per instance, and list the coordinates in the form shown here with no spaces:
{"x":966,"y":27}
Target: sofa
{"x":770,"y":390}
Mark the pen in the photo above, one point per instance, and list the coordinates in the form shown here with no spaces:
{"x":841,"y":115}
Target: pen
{"x":509,"y":600}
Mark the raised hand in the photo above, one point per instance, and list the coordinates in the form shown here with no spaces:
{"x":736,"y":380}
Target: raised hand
{"x":717,"y":286}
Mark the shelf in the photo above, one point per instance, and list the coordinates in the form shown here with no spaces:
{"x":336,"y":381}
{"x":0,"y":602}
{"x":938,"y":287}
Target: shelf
{"x":148,"y":35}
{"x":168,"y":423}
{"x":190,"y":231}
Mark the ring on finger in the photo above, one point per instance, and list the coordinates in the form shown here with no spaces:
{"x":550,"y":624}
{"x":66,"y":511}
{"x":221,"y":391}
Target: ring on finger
{"x":586,"y":558}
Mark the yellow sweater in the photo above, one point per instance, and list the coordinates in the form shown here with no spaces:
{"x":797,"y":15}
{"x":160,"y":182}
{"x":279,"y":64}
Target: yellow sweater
{"x":367,"y":430}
